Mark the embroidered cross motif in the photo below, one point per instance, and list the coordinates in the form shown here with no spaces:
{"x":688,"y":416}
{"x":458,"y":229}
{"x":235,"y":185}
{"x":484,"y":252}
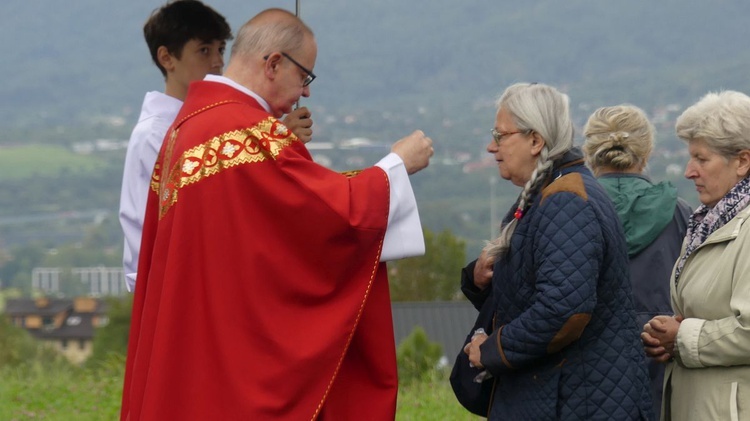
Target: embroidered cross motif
{"x":189,"y":166}
{"x":229,"y":150}
{"x":237,"y":147}
{"x":281,"y":130}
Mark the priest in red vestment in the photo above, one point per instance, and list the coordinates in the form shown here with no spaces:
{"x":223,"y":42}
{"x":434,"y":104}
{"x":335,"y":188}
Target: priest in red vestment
{"x":262,"y":290}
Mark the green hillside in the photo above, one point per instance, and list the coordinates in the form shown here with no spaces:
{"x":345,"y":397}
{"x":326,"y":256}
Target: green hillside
{"x":19,"y":162}
{"x":81,"y":62}
{"x":77,"y":71}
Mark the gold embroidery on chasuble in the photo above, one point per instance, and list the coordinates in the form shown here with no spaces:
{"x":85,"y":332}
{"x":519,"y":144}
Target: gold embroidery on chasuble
{"x":351,"y":173}
{"x":156,"y":174}
{"x":255,"y":144}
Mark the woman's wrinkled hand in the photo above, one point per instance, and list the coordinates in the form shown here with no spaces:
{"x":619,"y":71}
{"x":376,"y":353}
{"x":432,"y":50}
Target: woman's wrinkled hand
{"x":472,"y":349}
{"x":659,"y":336}
{"x":483,"y":271}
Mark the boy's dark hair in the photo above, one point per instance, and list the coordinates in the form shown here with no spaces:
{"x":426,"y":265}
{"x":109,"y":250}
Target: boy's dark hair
{"x":177,"y":22}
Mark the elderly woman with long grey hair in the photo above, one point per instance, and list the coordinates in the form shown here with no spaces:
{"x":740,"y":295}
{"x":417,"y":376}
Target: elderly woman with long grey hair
{"x":707,"y":340}
{"x":564,"y":343}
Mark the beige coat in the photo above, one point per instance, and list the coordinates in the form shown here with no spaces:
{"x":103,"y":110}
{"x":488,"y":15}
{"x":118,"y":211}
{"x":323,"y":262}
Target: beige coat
{"x":710,"y":378}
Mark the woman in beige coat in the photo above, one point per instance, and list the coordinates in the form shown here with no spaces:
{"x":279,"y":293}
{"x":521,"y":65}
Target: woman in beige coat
{"x":707,"y":341}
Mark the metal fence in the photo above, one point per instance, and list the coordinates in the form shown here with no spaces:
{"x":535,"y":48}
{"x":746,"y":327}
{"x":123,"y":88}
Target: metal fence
{"x":445,"y":322}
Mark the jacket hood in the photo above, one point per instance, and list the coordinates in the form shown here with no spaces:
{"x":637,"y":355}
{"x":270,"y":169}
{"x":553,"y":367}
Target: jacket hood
{"x":644,"y":208}
{"x":569,"y":157}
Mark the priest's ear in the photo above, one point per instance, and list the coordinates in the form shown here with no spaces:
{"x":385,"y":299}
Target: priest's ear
{"x":271,"y":66}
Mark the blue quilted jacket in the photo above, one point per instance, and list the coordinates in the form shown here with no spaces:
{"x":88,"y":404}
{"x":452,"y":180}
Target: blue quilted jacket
{"x":565,"y":344}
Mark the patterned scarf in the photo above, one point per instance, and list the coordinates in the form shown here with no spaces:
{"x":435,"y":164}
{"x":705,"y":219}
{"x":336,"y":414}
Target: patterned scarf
{"x":704,"y":221}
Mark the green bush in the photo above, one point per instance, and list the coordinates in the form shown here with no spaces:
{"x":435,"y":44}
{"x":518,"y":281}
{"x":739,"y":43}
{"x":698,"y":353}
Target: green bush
{"x":111,"y":341}
{"x":416,"y":356}
{"x":17,"y":347}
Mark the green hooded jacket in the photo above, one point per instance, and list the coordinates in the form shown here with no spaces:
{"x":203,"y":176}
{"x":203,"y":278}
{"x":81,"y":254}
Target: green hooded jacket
{"x":645,"y":208}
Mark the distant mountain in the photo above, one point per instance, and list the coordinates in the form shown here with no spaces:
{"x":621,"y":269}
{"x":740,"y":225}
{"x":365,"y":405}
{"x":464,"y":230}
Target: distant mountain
{"x":83,"y":62}
{"x":76,"y":71}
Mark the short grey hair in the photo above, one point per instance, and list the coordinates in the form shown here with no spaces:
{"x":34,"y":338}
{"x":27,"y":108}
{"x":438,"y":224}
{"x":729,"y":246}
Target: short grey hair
{"x":720,"y":119}
{"x":260,"y":35}
{"x":545,"y":110}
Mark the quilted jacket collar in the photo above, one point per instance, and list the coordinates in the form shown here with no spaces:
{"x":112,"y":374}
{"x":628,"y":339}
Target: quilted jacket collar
{"x":565,"y":164}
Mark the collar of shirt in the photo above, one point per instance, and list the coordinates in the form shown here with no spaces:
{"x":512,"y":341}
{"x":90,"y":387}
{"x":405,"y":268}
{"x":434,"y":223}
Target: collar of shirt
{"x":160,"y":104}
{"x":237,"y":86}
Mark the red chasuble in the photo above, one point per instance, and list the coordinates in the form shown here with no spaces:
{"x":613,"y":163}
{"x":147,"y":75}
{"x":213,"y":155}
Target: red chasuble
{"x":260,"y":295}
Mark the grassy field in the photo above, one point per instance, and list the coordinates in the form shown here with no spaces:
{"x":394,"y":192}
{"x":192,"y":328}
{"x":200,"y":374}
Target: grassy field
{"x":60,"y":393}
{"x":43,"y":160}
{"x":431,"y":400}
{"x":64,"y":393}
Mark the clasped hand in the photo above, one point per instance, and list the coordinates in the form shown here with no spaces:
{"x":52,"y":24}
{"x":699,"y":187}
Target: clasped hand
{"x":659,"y":336}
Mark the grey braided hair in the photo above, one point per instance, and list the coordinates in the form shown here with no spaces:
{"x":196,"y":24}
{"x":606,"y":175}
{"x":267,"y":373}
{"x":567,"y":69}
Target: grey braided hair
{"x":544,"y":110}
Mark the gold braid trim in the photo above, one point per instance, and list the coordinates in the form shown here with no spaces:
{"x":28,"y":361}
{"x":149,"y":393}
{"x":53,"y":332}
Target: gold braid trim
{"x":376,"y":264}
{"x":259,"y":143}
{"x":351,"y":173}
{"x":156,"y":174}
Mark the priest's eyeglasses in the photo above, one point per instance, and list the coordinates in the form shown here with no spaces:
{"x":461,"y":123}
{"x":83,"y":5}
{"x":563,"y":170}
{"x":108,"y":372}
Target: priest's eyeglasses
{"x":499,"y":136}
{"x":310,"y":75}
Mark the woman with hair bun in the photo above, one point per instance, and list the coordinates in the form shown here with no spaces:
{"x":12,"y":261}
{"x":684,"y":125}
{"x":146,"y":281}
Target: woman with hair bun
{"x":619,"y":141}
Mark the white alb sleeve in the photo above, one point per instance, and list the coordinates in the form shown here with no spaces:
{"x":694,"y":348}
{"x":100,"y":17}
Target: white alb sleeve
{"x":403,"y":237}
